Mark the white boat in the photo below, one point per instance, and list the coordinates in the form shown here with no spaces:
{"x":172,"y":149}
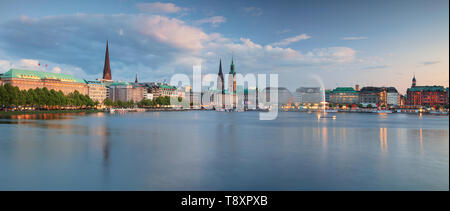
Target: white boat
{"x":438,"y":112}
{"x":330,"y":111}
{"x":383,"y":111}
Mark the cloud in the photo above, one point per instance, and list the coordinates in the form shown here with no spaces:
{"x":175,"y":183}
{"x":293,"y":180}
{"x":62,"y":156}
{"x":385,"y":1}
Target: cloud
{"x":56,"y":70}
{"x":254,"y":11}
{"x":5,"y":65}
{"x":430,"y":62}
{"x":290,"y":40}
{"x":214,"y":21}
{"x":354,"y":38}
{"x":171,"y":31}
{"x":29,"y":63}
{"x":155,"y":46}
{"x":376,"y":67}
{"x":159,"y":7}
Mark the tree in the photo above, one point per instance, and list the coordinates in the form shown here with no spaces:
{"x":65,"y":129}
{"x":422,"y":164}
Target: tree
{"x":11,"y":96}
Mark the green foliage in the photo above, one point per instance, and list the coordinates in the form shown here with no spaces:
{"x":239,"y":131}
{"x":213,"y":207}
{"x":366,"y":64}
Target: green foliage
{"x":161,"y":101}
{"x":12,"y":97}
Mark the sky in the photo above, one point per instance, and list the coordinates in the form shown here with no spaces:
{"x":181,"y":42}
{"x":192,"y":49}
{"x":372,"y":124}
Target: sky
{"x":337,"y":43}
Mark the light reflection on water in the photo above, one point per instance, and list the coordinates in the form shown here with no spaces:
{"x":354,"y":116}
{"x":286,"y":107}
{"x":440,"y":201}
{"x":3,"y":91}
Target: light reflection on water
{"x":224,"y":151}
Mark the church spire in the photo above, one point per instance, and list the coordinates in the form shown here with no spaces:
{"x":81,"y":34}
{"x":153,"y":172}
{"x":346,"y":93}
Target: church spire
{"x":220,"y":69}
{"x":136,"y":81}
{"x":232,"y":66}
{"x":414,"y":81}
{"x":107,"y":68}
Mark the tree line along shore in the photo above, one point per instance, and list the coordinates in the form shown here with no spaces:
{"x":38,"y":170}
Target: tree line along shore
{"x":38,"y":100}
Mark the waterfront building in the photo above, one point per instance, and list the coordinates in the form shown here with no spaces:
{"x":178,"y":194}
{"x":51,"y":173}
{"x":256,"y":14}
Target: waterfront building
{"x":124,"y":91}
{"x":227,"y":95}
{"x":378,"y":96}
{"x":148,"y":96}
{"x":285,"y":97}
{"x":311,"y":95}
{"x":120,"y":91}
{"x":392,"y":98}
{"x":97,"y":91}
{"x":219,"y":96}
{"x":426,"y":95}
{"x":370,"y":96}
{"x":232,"y":84}
{"x":250,"y":98}
{"x":161,"y":90}
{"x":344,"y":95}
{"x":31,"y":79}
{"x":327,"y":95}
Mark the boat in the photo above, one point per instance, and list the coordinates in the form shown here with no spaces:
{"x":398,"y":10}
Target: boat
{"x":383,"y":111}
{"x":330,"y":111}
{"x":439,"y":112}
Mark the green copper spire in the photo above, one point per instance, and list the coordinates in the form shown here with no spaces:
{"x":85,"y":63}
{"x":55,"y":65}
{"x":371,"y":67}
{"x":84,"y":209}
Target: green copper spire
{"x":232,"y":66}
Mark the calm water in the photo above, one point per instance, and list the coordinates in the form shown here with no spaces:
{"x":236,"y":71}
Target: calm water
{"x":207,"y":150}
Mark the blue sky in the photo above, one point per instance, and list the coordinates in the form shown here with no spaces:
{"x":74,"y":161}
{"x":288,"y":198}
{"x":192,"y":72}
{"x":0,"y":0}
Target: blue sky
{"x":343,"y":42}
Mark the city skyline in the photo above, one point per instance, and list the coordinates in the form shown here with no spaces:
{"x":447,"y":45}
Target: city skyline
{"x":158,"y":39}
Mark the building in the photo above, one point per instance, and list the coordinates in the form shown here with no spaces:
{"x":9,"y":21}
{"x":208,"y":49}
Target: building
{"x":393,"y":97}
{"x":327,"y":95}
{"x":97,"y":91}
{"x":308,"y":95}
{"x":426,"y":95}
{"x":124,"y":91}
{"x":162,"y":90}
{"x":229,"y":95}
{"x":219,"y":96}
{"x":285,"y":97}
{"x":31,"y":79}
{"x":148,"y":96}
{"x":370,"y":96}
{"x":379,"y":96}
{"x":232,"y":84}
{"x":344,"y":95}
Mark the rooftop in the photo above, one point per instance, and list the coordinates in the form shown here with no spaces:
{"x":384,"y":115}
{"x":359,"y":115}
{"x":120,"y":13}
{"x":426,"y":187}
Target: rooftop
{"x":344,"y":90}
{"x":427,"y":89}
{"x":34,"y":74}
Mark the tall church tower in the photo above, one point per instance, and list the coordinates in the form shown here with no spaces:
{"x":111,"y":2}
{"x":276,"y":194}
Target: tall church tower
{"x":232,"y":82}
{"x":220,"y":85}
{"x":107,"y":68}
{"x":233,"y":73}
{"x":413,"y":81}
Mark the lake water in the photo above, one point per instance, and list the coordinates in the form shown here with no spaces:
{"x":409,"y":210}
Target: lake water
{"x":207,"y":150}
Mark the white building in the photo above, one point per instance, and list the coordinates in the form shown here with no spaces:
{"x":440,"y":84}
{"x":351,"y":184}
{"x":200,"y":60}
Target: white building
{"x":392,"y":98}
{"x":148,"y":96}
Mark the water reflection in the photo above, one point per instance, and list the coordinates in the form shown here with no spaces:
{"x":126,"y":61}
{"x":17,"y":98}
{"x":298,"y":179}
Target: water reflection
{"x":43,"y":116}
{"x":383,"y":140}
{"x":222,"y":151}
{"x":421,"y":141}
